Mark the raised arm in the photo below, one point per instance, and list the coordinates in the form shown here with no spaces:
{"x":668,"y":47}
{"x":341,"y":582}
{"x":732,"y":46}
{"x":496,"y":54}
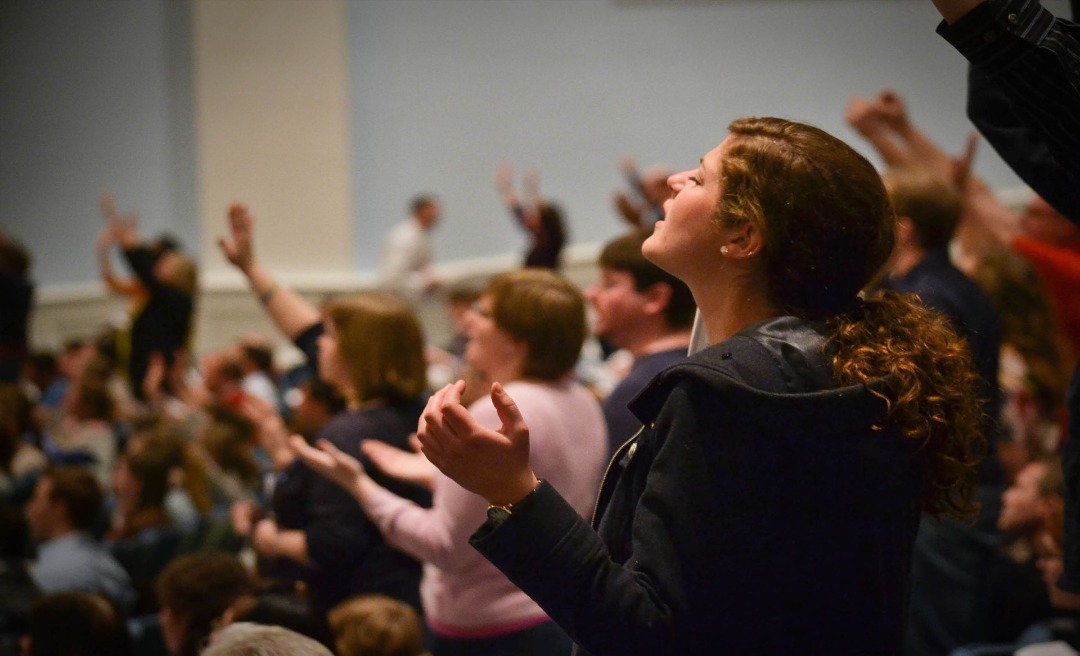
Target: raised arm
{"x":523,"y":210}
{"x":289,"y":311}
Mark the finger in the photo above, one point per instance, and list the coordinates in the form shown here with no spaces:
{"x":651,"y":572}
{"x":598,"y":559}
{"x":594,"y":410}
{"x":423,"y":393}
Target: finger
{"x":430,"y":419}
{"x":507,"y":410}
{"x":453,"y":393}
{"x":414,"y":443}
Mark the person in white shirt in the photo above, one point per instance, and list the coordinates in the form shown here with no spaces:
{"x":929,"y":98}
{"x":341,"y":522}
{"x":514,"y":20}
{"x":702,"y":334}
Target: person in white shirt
{"x":405,"y":264}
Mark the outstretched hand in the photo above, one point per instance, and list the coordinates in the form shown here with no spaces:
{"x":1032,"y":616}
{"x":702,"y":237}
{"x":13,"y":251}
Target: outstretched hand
{"x":332,"y":463}
{"x":238,"y":249}
{"x":407,"y":466}
{"x":491,"y":463}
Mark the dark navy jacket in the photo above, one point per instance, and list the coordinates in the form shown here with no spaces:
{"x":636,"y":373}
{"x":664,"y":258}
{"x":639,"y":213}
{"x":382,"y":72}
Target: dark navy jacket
{"x":760,"y":511}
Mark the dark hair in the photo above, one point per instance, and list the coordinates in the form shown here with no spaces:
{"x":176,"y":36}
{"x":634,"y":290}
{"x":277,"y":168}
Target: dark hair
{"x":198,"y":588}
{"x":80,"y":493}
{"x":546,"y":312}
{"x":421,"y":201}
{"x":290,"y":611}
{"x":14,"y":531}
{"x":931,"y":205}
{"x":553,"y":225}
{"x":14,"y":258}
{"x":326,"y":395}
{"x":16,"y":420}
{"x":624,"y":254}
{"x":77,"y":623}
{"x":260,"y":356}
{"x":829,"y":228}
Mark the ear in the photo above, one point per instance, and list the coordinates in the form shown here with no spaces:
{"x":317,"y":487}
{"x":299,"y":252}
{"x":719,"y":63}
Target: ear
{"x":657,"y":297}
{"x":743,"y":241}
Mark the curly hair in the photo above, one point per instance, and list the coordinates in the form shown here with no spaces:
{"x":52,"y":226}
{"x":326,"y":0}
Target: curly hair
{"x":929,"y":381}
{"x":829,"y":228}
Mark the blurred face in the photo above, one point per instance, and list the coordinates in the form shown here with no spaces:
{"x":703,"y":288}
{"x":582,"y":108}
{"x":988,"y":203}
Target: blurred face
{"x":331,"y":365}
{"x":428,"y":215}
{"x":688,"y":238}
{"x":619,"y":305}
{"x":172,"y":630}
{"x":1021,"y":504}
{"x":40,"y":510}
{"x":490,"y":350}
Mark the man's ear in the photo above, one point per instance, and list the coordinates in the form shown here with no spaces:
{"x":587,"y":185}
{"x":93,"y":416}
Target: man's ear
{"x":657,"y":298}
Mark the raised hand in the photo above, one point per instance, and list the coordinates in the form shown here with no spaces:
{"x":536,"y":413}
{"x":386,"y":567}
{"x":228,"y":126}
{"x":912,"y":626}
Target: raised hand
{"x":891,"y":108}
{"x":332,"y":463}
{"x":491,"y":463}
{"x":504,"y":178}
{"x":238,"y":249}
{"x":407,"y":466}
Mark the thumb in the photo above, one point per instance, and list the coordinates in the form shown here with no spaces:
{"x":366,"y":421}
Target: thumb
{"x":513,"y":423}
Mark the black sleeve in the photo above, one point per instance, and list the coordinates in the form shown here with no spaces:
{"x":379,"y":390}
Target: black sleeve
{"x":1024,"y":94}
{"x":608,"y":607}
{"x":308,"y":343}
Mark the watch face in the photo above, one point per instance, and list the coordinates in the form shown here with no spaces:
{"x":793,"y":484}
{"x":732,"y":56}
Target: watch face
{"x":497,"y":515}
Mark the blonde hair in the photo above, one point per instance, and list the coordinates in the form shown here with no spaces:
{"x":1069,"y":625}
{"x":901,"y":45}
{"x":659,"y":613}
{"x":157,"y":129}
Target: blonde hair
{"x":382,"y":346}
{"x":547,"y":313}
{"x":376,"y":625}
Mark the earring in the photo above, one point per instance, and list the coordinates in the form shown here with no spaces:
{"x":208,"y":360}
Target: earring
{"x":723,"y":250}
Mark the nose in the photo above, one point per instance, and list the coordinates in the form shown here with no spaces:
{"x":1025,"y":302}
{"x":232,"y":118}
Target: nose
{"x":677,"y":181}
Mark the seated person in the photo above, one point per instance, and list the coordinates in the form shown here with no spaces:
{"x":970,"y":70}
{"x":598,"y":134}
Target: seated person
{"x":194,"y":592}
{"x":64,"y":507}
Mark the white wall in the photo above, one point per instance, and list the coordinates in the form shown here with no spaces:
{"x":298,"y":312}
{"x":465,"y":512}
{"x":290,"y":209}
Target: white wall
{"x":327,"y":115}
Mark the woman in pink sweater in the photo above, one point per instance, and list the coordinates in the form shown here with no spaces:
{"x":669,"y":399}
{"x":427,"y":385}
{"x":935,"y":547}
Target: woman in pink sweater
{"x":525,"y":332}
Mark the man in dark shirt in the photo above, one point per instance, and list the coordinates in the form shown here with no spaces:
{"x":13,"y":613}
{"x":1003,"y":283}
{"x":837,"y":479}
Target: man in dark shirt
{"x":644,"y":310}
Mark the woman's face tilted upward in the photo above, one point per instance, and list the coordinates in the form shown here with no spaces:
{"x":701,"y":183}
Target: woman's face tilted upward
{"x":688,"y":237}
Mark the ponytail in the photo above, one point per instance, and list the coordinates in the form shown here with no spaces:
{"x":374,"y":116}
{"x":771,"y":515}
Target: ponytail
{"x":930,"y":383}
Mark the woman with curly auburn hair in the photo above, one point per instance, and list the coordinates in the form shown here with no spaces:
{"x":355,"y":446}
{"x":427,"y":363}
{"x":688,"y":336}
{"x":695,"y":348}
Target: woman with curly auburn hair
{"x":771,"y":501}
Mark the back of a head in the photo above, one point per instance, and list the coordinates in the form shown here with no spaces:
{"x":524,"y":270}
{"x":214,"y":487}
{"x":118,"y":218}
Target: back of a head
{"x":624,"y":254}
{"x":198,"y":588}
{"x":544,"y":310}
{"x":79,"y":492}
{"x":76,"y":623}
{"x":247,"y":639}
{"x":376,"y":625}
{"x":932,"y":207}
{"x":827,"y":221}
{"x":382,"y":344}
{"x":829,"y":227}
